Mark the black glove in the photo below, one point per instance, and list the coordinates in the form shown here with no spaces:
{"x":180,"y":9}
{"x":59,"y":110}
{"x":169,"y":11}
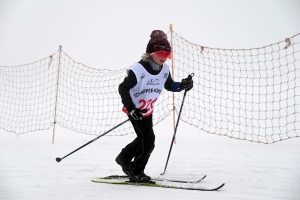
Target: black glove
{"x":187,"y":83}
{"x":136,"y":113}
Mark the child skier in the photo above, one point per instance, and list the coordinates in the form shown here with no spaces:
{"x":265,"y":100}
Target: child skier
{"x":139,"y":91}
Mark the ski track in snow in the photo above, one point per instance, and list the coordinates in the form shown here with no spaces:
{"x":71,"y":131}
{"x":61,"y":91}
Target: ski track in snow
{"x":250,"y":170}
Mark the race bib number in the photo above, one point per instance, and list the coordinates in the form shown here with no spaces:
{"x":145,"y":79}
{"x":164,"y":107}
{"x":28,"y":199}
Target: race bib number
{"x":149,"y":104}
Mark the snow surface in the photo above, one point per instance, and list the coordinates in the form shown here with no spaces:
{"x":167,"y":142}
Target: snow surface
{"x":28,"y":169}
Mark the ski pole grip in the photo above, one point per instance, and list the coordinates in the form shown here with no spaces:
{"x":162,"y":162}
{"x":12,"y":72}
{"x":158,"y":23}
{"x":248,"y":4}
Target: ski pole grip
{"x":190,"y":76}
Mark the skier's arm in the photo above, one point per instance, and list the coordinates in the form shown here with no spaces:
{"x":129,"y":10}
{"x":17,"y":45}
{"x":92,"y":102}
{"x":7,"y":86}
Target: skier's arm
{"x":129,"y":82}
{"x":172,"y":86}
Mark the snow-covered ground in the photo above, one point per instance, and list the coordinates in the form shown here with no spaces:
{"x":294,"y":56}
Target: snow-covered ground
{"x":28,"y":169}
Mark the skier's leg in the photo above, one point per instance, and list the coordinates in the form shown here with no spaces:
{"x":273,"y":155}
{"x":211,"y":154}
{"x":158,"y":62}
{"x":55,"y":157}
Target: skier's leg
{"x":127,"y":154}
{"x":144,"y":130}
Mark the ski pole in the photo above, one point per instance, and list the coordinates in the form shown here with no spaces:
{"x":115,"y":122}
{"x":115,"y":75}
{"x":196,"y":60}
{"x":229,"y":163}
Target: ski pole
{"x":58,"y":159}
{"x":190,"y":77}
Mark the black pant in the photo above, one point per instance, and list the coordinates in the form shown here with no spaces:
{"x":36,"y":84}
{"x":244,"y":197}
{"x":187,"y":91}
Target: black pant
{"x":142,"y":146}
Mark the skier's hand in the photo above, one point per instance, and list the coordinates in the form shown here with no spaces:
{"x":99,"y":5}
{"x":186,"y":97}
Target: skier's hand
{"x":136,"y":113}
{"x":187,"y":83}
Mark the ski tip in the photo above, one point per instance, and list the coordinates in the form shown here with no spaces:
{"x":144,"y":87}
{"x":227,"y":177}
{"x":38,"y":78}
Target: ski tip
{"x":220,"y":186}
{"x":201,"y":179}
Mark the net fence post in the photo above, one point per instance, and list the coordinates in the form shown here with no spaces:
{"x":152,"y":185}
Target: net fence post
{"x":173,"y":76}
{"x":56,"y":95}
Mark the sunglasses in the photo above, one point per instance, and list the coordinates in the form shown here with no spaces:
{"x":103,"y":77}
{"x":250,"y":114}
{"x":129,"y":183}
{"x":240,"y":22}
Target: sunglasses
{"x":162,"y":51}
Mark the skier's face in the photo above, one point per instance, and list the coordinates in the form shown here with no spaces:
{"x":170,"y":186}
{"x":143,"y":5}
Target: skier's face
{"x":159,"y":60}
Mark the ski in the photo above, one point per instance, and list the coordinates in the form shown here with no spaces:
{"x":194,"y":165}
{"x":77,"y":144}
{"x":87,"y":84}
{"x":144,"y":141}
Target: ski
{"x":123,"y":182}
{"x":154,"y":179}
